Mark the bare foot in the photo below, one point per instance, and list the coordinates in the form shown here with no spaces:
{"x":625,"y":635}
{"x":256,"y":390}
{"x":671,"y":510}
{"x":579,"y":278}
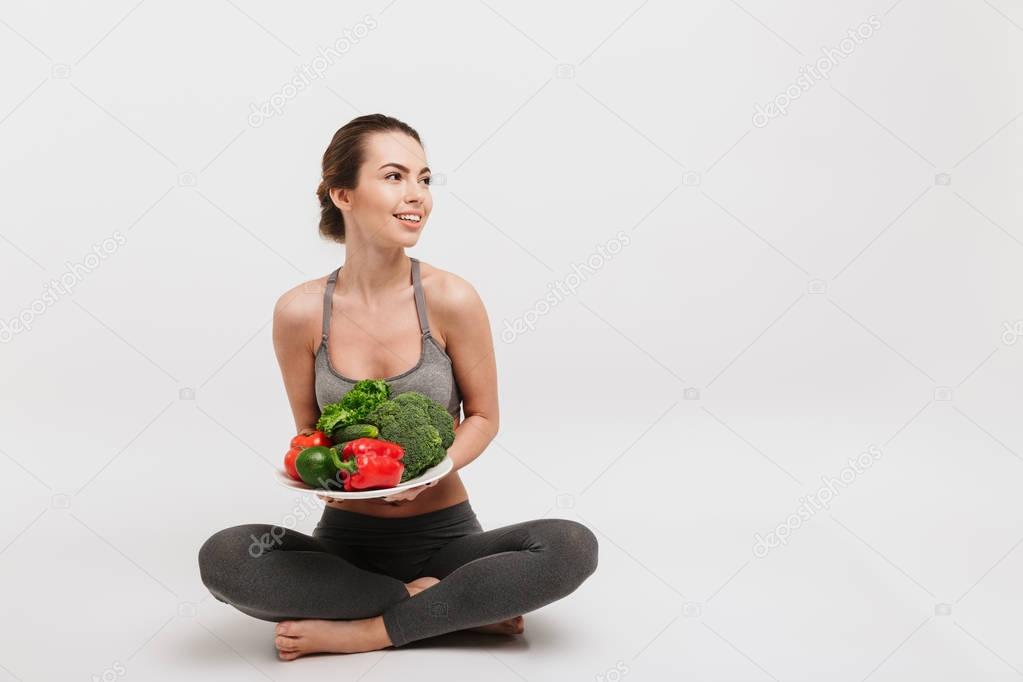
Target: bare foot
{"x":420,"y":584}
{"x":295,"y":638}
{"x":299,"y":637}
{"x":512,"y":626}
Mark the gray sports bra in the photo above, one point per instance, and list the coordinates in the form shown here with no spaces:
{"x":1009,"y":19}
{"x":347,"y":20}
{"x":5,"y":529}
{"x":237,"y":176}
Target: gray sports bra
{"x":432,"y":376}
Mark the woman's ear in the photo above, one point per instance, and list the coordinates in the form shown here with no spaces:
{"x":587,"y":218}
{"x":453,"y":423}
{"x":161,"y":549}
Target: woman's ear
{"x":341,"y":197}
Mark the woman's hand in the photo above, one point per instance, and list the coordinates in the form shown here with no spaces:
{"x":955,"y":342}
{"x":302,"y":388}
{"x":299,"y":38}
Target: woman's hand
{"x":404,"y":496}
{"x":409,"y":494}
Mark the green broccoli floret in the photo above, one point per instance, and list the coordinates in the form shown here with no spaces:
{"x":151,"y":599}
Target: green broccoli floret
{"x":353,"y":406}
{"x":439,"y":417}
{"x":407,"y":422}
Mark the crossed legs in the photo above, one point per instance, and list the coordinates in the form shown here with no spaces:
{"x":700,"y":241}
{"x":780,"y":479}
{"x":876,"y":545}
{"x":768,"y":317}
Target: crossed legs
{"x":324,"y":601}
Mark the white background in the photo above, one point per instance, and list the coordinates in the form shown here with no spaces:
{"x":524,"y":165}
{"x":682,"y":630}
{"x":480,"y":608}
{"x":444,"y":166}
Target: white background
{"x":846,"y":276}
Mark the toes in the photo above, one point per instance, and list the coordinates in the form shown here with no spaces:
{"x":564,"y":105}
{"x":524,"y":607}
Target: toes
{"x":288,"y":655}
{"x":514,"y":625}
{"x":286,"y":643}
{"x":292,"y":628}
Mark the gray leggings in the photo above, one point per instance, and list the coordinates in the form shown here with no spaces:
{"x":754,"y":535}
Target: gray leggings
{"x":355,"y":566}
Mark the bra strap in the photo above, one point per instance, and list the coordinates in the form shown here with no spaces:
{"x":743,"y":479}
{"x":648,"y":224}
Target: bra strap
{"x":328,"y":297}
{"x":417,"y":287}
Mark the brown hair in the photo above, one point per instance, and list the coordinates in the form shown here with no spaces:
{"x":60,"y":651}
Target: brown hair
{"x":341,"y":163}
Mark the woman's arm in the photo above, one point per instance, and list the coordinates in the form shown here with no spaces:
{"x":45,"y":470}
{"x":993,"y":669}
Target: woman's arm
{"x":291,"y":338}
{"x":470,"y":345}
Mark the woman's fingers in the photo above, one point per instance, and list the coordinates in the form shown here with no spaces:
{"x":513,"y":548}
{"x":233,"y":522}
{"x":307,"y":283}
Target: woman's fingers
{"x":409,"y":494}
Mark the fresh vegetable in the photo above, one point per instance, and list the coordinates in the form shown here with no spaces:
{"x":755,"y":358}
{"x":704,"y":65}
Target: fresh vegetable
{"x":310,"y":440}
{"x":289,"y":463}
{"x":409,"y":421}
{"x":439,"y":417}
{"x":371,"y":445}
{"x":317,"y":467}
{"x":353,"y":431}
{"x":421,"y":428}
{"x":374,"y":467}
{"x":299,"y":443}
{"x":354,"y":405}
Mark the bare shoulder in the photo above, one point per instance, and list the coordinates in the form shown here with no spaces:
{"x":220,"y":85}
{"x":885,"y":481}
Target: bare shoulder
{"x":298,"y":311}
{"x":451,"y":296}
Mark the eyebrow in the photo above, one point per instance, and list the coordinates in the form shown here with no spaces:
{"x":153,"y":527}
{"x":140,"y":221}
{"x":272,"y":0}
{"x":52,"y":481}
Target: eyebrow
{"x":426,"y":169}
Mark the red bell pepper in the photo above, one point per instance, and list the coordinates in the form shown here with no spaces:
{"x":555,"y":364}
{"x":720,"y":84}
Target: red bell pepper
{"x":300,"y":443}
{"x":373,"y":463}
{"x":377,"y":446}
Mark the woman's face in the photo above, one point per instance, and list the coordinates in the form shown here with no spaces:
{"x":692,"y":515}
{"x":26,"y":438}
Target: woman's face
{"x":394,"y":180}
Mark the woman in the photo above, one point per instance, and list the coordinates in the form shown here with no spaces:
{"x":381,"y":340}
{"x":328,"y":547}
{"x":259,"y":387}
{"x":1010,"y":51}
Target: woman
{"x":389,"y":571}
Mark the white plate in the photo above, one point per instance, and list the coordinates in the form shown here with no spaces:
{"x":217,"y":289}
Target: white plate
{"x":432,"y":474}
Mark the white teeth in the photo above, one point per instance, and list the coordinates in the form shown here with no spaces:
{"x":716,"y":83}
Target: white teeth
{"x":413,"y":218}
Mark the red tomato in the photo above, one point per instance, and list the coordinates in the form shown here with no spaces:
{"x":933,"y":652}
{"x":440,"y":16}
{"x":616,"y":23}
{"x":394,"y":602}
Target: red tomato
{"x":314,"y":439}
{"x":289,"y":462}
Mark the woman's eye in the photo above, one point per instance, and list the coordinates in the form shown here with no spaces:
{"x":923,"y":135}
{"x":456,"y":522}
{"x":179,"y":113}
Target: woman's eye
{"x":427,"y":180}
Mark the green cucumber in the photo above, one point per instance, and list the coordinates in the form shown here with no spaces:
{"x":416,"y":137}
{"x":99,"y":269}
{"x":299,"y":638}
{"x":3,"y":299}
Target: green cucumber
{"x":354,"y":431}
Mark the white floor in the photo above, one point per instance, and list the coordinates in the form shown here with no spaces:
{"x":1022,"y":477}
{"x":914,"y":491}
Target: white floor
{"x":911,"y":573}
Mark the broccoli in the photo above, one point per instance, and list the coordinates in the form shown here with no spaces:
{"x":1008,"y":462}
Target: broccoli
{"x":353,"y":406}
{"x":439,"y":417}
{"x":409,"y":421}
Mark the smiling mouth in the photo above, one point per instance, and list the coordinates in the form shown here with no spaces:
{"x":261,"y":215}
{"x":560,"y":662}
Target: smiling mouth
{"x":410,"y":219}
